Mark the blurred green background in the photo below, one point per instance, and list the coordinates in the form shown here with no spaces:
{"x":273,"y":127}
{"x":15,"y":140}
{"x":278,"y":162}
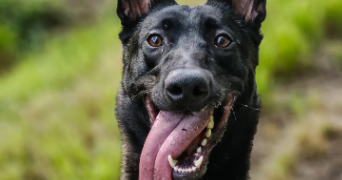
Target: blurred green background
{"x":60,"y":68}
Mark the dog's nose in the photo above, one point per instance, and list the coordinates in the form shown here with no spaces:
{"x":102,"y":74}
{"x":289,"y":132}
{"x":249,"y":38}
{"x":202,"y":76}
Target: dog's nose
{"x":187,"y":86}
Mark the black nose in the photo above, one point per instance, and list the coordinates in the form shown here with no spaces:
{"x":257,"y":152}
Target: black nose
{"x":187,"y":86}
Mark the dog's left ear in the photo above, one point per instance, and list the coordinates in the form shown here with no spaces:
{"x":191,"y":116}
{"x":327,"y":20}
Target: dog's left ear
{"x":130,"y":11}
{"x":250,"y":10}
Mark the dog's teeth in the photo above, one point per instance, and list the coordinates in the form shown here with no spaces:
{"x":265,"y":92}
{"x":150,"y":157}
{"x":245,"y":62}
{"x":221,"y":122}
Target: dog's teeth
{"x":182,"y":170}
{"x":199,"y":150}
{"x":171,"y":161}
{"x":198,"y":162}
{"x":190,"y":170}
{"x":196,"y":154}
{"x":211,"y":123}
{"x":208,"y":133}
{"x":204,"y":142}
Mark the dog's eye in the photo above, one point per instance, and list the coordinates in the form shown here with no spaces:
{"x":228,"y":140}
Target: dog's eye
{"x":155,"y":40}
{"x":222,"y":41}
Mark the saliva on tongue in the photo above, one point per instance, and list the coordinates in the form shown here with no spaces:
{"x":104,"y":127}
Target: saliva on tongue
{"x":171,"y":134}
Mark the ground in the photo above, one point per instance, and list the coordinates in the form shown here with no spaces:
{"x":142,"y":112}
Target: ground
{"x":302,"y":138}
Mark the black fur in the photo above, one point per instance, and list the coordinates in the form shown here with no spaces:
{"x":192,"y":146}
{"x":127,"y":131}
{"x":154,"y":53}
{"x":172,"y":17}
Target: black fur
{"x":190,"y":43}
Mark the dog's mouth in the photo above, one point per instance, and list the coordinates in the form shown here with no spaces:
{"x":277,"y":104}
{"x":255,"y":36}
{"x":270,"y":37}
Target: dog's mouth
{"x":179,"y":143}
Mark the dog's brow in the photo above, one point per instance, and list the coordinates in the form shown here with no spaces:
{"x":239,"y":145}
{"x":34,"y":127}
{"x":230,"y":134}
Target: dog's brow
{"x":159,"y":24}
{"x":211,"y":22}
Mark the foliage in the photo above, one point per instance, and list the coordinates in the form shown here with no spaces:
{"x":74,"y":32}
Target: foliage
{"x":56,"y":109}
{"x":293,"y":30}
{"x":25,"y":24}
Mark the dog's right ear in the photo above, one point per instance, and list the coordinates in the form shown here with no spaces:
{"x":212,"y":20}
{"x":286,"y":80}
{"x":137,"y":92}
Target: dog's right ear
{"x":130,"y":11}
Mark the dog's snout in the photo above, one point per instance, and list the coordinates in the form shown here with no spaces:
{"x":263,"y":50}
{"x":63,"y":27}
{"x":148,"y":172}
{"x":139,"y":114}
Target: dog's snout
{"x":187,"y":86}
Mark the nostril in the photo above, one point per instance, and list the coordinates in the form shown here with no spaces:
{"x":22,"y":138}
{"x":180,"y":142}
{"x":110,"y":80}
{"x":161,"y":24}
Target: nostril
{"x":200,"y":91}
{"x":187,"y":86}
{"x":174,"y":90}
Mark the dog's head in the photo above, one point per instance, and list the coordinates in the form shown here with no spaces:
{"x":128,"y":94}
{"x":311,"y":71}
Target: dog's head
{"x":189,"y":65}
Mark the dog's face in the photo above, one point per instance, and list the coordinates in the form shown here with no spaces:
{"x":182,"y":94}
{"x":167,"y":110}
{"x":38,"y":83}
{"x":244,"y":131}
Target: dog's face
{"x":189,"y":65}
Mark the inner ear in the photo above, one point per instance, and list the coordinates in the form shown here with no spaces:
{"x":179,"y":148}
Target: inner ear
{"x":250,"y":9}
{"x":132,"y":9}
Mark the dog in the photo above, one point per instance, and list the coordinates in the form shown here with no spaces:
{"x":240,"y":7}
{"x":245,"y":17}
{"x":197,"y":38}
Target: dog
{"x":188,"y":106}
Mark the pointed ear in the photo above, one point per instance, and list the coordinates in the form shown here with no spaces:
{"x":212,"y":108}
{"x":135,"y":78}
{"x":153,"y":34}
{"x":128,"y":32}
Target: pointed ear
{"x":250,"y":10}
{"x":132,"y":10}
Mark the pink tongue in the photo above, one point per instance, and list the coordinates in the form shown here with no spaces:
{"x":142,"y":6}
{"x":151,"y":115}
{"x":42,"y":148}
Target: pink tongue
{"x":170,"y":134}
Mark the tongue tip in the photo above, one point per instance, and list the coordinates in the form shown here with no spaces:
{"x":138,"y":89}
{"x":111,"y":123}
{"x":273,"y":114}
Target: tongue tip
{"x":163,"y":172}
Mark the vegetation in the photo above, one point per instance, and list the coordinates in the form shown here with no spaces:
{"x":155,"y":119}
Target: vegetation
{"x":57,"y":99}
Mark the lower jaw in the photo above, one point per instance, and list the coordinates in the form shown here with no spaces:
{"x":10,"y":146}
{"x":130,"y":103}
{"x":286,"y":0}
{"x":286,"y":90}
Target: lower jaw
{"x":181,"y":170}
{"x":191,"y":171}
{"x":193,"y":175}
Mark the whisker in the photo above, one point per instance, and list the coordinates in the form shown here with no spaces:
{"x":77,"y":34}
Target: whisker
{"x":233,"y":113}
{"x":256,"y":109}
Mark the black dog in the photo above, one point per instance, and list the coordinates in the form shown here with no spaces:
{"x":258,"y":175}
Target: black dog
{"x":188,"y":106}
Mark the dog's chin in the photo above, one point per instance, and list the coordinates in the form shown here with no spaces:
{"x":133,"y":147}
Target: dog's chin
{"x":184,"y":148}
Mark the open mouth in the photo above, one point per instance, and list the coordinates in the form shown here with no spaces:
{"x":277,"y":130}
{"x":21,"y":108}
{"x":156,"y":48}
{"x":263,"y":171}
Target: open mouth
{"x":179,"y":143}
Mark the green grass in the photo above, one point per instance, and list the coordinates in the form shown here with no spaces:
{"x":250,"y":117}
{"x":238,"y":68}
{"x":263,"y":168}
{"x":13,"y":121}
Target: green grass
{"x":57,"y":109}
{"x":293,"y":30}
